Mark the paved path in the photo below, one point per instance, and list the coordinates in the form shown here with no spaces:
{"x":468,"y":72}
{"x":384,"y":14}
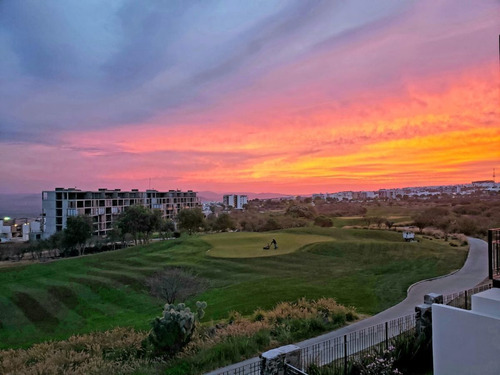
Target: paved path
{"x":474,"y":271}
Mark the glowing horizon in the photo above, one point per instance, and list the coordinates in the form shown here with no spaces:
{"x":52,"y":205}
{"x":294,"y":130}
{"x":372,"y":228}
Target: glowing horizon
{"x":404,"y":95}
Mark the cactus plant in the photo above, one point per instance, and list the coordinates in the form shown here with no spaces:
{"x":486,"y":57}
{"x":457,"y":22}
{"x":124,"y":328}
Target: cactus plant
{"x":173,"y":330}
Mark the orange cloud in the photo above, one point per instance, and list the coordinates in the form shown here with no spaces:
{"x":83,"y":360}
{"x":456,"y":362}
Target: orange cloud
{"x":427,"y":135}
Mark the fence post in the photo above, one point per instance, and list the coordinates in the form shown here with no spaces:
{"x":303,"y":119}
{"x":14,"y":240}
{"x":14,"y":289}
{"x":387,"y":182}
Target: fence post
{"x":273,"y":361}
{"x":386,"y":335}
{"x":466,"y":300}
{"x":345,"y":354}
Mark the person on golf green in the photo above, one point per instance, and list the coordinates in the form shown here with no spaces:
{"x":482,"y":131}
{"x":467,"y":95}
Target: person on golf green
{"x":273,"y":242}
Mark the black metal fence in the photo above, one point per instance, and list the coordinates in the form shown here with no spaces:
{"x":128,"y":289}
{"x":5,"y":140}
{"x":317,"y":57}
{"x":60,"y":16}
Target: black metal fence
{"x":251,"y":368}
{"x":494,"y":256}
{"x":337,"y":353}
{"x":291,"y":370}
{"x":462,"y":299}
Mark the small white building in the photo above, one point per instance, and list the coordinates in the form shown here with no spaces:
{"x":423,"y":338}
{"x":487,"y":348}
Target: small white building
{"x":342,"y":195}
{"x":234,"y":200}
{"x":408,"y":235}
{"x":5,"y":232}
{"x":25,"y":232}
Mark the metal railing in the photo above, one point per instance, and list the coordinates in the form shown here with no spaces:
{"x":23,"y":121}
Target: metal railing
{"x":462,"y":299}
{"x":253,"y":368}
{"x":339,"y":351}
{"x":291,"y":370}
{"x":494,"y":256}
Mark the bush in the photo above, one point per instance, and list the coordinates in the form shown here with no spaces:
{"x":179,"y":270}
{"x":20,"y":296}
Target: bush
{"x":382,"y":363}
{"x":323,"y":221}
{"x":172,"y":332}
{"x":413,"y":352}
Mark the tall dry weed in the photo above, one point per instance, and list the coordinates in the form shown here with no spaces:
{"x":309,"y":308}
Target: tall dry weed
{"x":111,"y":352}
{"x":118,"y":351}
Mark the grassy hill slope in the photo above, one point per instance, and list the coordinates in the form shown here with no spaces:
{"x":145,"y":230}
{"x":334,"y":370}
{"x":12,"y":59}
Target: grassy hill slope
{"x":366,"y":269}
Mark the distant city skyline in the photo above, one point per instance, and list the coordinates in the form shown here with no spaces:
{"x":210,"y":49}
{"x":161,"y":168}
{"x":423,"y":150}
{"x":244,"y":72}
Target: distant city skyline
{"x":289,"y":97}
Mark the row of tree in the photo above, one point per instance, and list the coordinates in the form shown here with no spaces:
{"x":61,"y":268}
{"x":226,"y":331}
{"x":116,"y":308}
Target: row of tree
{"x":136,"y":224}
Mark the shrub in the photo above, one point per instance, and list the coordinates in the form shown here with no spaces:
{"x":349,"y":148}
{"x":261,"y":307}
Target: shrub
{"x":305,"y":211}
{"x":172,"y":331}
{"x":413,"y":352}
{"x":323,"y":221}
{"x":382,"y":363}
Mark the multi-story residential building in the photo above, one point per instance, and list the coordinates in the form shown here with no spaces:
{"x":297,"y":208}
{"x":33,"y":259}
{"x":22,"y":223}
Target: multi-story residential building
{"x":5,"y":232}
{"x":104,"y":205}
{"x":235,"y":201}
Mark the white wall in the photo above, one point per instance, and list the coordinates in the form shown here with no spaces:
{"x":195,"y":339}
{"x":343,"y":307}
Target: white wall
{"x":26,"y":232}
{"x":35,"y":226}
{"x":5,"y":231}
{"x":487,"y":303}
{"x":465,"y":342}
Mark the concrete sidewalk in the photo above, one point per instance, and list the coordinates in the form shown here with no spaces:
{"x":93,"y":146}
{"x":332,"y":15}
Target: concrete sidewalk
{"x":474,"y":271}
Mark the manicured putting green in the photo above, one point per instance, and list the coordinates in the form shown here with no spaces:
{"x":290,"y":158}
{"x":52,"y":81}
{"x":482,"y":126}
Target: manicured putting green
{"x":250,"y":245}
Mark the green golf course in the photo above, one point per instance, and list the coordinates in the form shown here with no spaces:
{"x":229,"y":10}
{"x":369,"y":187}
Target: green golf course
{"x":367,"y":269}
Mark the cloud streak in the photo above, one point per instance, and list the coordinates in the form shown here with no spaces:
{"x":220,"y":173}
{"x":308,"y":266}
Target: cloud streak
{"x":287,"y":96}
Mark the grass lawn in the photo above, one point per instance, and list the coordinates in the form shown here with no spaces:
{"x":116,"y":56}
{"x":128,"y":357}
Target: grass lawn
{"x":250,"y":245}
{"x":370,"y":270}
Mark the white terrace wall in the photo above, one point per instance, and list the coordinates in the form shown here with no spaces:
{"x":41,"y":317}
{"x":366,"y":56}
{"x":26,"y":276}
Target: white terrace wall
{"x":467,"y":342}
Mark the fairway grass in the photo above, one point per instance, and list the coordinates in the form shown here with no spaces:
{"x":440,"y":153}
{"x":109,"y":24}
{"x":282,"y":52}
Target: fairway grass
{"x":250,"y":245}
{"x":367,"y":269}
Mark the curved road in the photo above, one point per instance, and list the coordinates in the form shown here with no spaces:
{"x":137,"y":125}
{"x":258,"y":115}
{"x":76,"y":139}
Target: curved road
{"x":474,"y":271}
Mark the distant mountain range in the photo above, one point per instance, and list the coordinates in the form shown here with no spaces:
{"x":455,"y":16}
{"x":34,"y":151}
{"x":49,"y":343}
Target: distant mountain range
{"x":20,"y":205}
{"x":30,"y":205}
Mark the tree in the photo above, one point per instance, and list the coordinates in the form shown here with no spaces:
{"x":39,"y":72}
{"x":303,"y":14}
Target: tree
{"x":166,"y":228}
{"x":140,"y":222}
{"x":115,"y":235}
{"x":467,"y":226}
{"x":323,"y":221}
{"x":54,"y":243}
{"x":421,"y":222}
{"x":78,"y":231}
{"x":175,"y":284}
{"x":432,"y":217}
{"x":271,"y":224}
{"x":191,"y":219}
{"x":298,"y":210}
{"x":224,"y":222}
{"x":379,"y":221}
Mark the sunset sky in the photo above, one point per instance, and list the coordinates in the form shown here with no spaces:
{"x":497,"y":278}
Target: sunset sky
{"x":293,"y":97}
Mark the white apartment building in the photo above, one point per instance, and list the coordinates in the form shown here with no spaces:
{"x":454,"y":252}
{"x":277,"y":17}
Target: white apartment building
{"x":5,"y":232}
{"x":235,"y":201}
{"x":104,"y":205}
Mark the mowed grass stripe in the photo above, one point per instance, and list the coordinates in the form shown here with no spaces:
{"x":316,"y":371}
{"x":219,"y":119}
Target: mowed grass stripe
{"x":139,"y":262}
{"x":143,"y":270}
{"x":37,"y":308}
{"x":12,"y":317}
{"x":357,"y":267}
{"x":118,"y":279}
{"x":46,"y":305}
